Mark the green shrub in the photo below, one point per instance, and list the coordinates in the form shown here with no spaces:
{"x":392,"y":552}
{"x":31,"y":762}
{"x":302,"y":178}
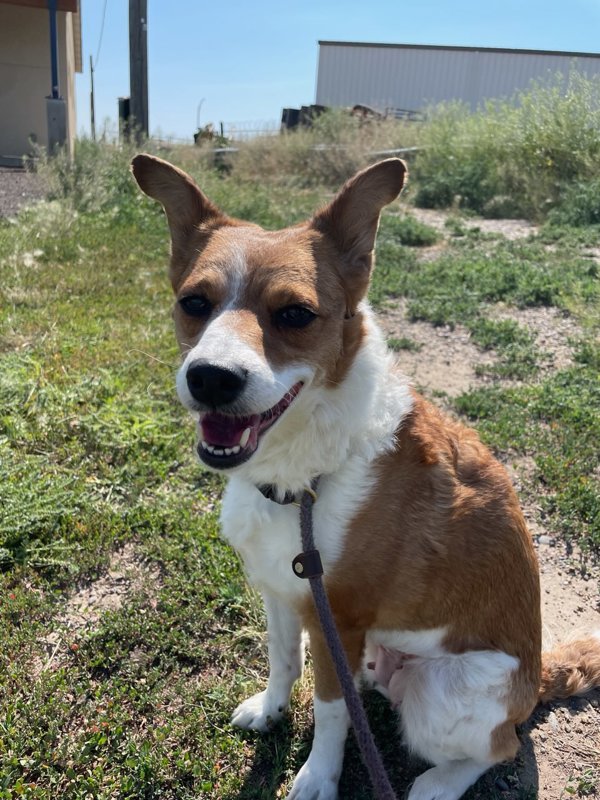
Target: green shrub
{"x":407,"y":230}
{"x":514,"y":158}
{"x":579,"y":206}
{"x":457,"y":164}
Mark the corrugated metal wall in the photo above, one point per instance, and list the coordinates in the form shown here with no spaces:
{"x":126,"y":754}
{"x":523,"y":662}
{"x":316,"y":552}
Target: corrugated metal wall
{"x":412,"y":77}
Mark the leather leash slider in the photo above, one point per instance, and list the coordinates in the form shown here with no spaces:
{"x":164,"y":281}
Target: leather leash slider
{"x":308,"y":564}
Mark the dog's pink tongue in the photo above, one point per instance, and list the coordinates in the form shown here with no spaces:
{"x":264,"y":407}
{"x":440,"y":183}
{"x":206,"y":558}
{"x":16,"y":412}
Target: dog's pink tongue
{"x":222,"y":430}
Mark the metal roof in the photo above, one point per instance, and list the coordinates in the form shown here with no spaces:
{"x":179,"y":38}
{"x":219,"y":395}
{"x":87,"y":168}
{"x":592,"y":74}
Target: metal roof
{"x":461,"y":48}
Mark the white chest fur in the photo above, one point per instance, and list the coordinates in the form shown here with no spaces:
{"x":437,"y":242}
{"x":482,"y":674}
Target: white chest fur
{"x":267,"y":535}
{"x":338,"y":432}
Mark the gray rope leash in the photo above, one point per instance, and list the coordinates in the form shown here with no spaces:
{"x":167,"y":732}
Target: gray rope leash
{"x":308,"y":565}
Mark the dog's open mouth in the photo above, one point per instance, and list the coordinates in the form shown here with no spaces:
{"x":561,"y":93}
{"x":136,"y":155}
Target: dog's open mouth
{"x":226,"y":440}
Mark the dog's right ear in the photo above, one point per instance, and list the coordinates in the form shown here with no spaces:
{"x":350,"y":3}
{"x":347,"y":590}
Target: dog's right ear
{"x":186,"y":207}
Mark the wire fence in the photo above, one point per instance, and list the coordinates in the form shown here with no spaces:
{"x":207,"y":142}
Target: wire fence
{"x":240,"y":131}
{"x":248,"y":129}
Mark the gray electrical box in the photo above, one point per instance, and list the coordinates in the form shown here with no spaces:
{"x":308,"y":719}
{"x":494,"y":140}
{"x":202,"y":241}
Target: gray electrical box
{"x":56,"y":111}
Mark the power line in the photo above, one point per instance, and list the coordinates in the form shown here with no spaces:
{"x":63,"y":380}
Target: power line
{"x":101,"y":35}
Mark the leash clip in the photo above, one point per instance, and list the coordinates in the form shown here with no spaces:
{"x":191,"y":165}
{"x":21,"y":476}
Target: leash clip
{"x":308,"y":564}
{"x":309,"y":491}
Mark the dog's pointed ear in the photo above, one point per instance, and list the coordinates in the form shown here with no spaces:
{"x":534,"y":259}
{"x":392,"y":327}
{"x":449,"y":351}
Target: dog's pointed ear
{"x":352,"y":218}
{"x":186,"y":207}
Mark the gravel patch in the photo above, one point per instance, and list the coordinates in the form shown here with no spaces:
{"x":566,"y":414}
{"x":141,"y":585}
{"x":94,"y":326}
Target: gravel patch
{"x":18,"y":188}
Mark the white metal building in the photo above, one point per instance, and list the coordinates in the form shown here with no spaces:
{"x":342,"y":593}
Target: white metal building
{"x":411,"y":77}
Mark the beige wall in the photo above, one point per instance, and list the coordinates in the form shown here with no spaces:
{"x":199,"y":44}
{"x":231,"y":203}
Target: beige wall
{"x":25,"y":76}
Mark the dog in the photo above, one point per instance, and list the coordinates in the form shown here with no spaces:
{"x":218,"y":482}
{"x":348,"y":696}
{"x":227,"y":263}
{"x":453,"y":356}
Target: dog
{"x":428,"y":564}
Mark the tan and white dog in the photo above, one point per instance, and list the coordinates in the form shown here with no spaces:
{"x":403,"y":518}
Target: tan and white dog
{"x":428,"y":564}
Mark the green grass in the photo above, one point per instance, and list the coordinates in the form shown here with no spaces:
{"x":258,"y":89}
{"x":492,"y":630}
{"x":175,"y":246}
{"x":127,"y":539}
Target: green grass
{"x":557,"y":423}
{"x":403,"y":343}
{"x":518,"y":357}
{"x":407,"y":230}
{"x":96,"y":453}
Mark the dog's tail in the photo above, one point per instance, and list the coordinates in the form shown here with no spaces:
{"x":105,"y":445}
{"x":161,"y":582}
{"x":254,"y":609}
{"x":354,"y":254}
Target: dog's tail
{"x":571,"y":668}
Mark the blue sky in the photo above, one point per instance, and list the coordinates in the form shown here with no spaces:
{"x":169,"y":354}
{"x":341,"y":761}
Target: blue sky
{"x":247,"y":60}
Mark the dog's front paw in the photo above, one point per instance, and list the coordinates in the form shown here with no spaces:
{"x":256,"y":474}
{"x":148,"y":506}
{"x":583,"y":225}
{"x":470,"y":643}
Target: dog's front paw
{"x":258,"y":713}
{"x":314,"y":784}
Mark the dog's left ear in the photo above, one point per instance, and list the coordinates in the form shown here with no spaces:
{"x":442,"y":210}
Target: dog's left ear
{"x":352,"y":218}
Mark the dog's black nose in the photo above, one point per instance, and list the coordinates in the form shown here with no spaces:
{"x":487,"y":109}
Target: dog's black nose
{"x":215,"y":386}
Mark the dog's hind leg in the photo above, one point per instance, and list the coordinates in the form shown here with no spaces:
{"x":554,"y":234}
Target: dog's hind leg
{"x":455,"y":714}
{"x":286,"y":659}
{"x":447,"y":781}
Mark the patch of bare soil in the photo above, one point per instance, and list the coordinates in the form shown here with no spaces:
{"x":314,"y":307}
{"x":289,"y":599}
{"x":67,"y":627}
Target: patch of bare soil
{"x":446,"y":359}
{"x":561,"y":740}
{"x":509,"y":228}
{"x":127,"y":574}
{"x":560,"y":753}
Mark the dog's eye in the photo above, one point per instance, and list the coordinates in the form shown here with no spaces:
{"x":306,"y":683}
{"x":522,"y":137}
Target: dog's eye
{"x":294,"y":317}
{"x":195,"y":305}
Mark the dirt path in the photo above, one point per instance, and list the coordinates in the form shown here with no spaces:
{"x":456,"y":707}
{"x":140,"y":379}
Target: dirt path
{"x":560,"y":756}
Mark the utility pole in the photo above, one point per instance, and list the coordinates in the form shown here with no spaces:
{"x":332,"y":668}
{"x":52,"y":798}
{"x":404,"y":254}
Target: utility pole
{"x":138,"y":67}
{"x":92,"y":103}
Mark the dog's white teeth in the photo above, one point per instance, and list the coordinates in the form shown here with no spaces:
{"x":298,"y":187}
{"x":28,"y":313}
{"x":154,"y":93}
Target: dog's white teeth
{"x":245,"y":437}
{"x":220,"y":451}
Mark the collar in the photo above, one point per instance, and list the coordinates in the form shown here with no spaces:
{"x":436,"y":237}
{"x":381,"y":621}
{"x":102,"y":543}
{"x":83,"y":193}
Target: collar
{"x":269,"y":490}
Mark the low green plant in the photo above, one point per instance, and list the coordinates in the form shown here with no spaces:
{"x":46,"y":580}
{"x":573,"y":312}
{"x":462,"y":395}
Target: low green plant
{"x":454,"y":287}
{"x":403,"y":343}
{"x":407,"y":230}
{"x":499,"y":334}
{"x":583,"y":785}
{"x":518,"y":356}
{"x":557,"y":422}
